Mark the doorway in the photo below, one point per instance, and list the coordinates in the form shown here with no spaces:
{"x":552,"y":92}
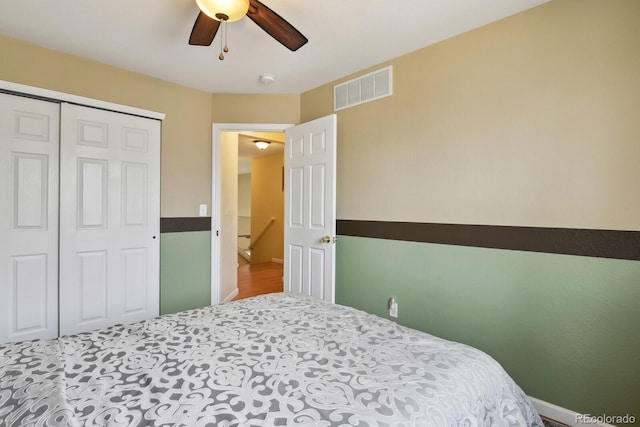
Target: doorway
{"x":260,"y":213}
{"x":310,"y":208}
{"x":260,"y":188}
{"x":225,"y":219}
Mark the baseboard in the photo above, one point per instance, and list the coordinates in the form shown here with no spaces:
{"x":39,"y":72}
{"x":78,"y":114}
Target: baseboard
{"x":277,"y":260}
{"x":231,"y":296}
{"x":566,"y":416}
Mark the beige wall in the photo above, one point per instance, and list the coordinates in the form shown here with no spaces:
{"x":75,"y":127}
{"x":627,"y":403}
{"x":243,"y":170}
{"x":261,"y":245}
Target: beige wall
{"x":244,"y":194}
{"x":186,"y":131}
{"x":267,"y":201}
{"x":532,"y":120}
{"x":244,"y":213}
{"x":251,"y":108}
{"x":229,"y":215}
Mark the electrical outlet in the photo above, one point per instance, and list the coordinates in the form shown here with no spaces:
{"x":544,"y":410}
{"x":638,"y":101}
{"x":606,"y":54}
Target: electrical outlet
{"x":393,"y":307}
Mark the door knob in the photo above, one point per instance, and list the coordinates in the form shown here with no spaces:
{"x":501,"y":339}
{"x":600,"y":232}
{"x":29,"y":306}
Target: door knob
{"x":326,"y":239}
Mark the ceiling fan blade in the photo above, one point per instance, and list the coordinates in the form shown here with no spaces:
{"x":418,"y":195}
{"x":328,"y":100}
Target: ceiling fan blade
{"x":204,"y":30}
{"x":276,"y":26}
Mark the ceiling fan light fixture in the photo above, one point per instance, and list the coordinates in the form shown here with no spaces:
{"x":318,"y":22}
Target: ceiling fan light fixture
{"x":262,"y":145}
{"x":231,"y":9}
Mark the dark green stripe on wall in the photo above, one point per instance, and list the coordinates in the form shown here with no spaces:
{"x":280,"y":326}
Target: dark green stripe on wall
{"x":181,"y":224}
{"x":616,"y":244}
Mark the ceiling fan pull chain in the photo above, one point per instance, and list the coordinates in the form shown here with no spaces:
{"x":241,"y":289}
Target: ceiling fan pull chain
{"x":223,"y":38}
{"x":226,"y":48}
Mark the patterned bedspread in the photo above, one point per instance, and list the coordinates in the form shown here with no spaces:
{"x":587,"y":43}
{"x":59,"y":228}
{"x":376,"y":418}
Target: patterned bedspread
{"x":276,"y":359}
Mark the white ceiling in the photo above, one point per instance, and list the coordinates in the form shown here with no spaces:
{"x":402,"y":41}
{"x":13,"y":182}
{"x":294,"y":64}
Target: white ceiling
{"x":150,"y":37}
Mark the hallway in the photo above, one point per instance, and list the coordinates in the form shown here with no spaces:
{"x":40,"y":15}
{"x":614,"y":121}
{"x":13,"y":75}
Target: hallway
{"x":258,"y":279}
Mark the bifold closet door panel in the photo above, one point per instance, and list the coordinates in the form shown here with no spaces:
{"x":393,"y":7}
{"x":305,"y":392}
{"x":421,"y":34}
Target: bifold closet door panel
{"x":109,"y":218}
{"x":29,"y":144}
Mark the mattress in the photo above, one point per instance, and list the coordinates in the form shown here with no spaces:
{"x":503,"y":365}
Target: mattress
{"x":277,"y":359}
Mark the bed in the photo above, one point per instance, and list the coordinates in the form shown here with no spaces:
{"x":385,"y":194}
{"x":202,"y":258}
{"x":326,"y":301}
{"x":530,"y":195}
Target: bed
{"x":277,"y":359}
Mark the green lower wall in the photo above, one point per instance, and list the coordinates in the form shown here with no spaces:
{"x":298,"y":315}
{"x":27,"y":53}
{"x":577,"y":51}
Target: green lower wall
{"x":185,"y":270}
{"x":566,"y":328}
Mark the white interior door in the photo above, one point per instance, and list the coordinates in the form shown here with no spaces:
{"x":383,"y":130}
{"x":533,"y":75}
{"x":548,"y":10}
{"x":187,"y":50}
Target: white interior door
{"x":310,"y":208}
{"x":29,"y":132}
{"x":109,"y":218}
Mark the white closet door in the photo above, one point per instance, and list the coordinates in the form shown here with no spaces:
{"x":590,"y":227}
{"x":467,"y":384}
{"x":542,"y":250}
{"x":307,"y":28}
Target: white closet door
{"x":109,"y":218}
{"x":29,"y":132}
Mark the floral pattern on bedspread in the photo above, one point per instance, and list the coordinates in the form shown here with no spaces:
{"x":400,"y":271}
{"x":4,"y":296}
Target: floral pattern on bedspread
{"x":276,"y":359}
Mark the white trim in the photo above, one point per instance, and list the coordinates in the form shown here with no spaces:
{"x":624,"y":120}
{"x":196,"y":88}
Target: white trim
{"x":563,"y":415}
{"x":244,"y":255}
{"x":277,"y":260}
{"x":216,"y":209}
{"x":74,"y":99}
{"x":231,"y":296}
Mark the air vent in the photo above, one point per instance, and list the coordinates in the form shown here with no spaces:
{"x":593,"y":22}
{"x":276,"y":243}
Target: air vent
{"x":368,"y":87}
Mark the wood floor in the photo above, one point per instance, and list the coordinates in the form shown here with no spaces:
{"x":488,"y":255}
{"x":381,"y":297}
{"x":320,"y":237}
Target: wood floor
{"x":258,"y":279}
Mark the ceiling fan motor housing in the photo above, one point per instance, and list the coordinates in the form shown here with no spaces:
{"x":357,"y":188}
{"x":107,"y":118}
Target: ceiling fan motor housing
{"x":232,"y":10}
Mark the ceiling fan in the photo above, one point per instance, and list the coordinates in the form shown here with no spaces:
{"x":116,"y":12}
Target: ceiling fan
{"x":216,"y":12}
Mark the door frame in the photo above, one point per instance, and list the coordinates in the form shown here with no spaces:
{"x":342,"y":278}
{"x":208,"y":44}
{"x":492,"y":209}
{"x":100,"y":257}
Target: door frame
{"x":216,"y":208}
{"x":55,"y":96}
